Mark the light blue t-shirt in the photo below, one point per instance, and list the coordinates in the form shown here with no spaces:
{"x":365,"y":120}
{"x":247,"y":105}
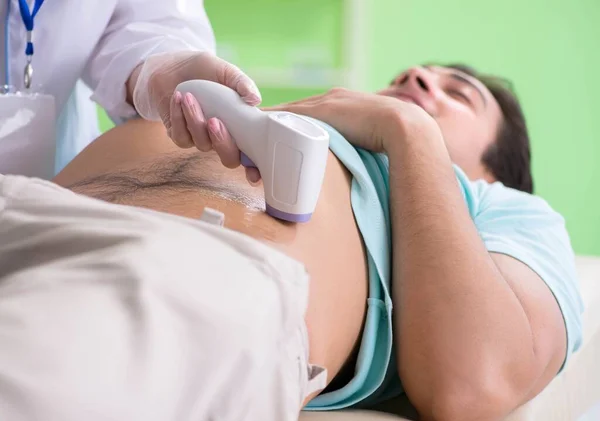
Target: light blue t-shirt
{"x":511,"y":222}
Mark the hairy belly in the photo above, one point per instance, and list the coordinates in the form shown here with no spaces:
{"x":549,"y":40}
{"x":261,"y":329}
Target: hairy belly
{"x":137,"y":164}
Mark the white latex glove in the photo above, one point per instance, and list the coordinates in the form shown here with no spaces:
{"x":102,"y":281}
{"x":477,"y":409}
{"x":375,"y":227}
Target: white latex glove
{"x":154,"y":98}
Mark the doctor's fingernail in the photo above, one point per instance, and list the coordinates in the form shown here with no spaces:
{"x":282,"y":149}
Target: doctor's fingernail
{"x":222,"y":130}
{"x":189,"y":100}
{"x":177,"y":97}
{"x":252,"y":99}
{"x":215,"y":128}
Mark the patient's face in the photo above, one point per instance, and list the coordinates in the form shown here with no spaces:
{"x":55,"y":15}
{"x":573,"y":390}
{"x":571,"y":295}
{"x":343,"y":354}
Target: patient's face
{"x":463,"y":107}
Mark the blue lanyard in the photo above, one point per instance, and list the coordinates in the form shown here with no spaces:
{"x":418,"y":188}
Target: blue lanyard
{"x":27,"y":15}
{"x":6,"y":50}
{"x":28,"y":19}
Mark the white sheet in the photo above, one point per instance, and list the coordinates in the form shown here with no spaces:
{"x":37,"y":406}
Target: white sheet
{"x":115,"y":313}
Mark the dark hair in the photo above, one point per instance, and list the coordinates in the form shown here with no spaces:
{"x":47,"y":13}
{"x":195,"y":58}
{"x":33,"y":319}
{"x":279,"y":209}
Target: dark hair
{"x":509,"y":157}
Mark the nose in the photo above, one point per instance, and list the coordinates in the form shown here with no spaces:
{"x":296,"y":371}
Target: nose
{"x":416,"y":77}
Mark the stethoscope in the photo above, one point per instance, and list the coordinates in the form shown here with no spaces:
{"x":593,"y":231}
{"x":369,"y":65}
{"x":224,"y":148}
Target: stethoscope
{"x":28,"y":16}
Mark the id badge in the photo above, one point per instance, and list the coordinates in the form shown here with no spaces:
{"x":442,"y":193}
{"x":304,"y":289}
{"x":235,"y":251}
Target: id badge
{"x":27,"y":134}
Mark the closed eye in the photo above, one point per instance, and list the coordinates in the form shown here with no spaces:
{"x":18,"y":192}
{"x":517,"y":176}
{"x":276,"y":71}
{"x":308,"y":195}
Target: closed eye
{"x":460,"y":95}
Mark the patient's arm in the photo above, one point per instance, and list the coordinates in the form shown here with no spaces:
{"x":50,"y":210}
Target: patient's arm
{"x":137,"y":164}
{"x":478,"y":333}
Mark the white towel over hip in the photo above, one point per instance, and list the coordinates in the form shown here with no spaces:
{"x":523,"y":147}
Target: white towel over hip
{"x":114,"y":313}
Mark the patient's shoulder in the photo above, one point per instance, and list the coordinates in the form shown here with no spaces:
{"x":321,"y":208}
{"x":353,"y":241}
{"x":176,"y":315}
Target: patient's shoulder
{"x":486,"y":199}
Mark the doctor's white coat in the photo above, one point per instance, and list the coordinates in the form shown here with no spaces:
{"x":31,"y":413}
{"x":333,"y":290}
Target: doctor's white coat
{"x":85,"y":47}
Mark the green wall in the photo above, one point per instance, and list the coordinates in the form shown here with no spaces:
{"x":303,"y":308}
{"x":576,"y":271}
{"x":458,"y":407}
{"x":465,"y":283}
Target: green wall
{"x":304,"y":35}
{"x":551,"y":52}
{"x":549,"y":49}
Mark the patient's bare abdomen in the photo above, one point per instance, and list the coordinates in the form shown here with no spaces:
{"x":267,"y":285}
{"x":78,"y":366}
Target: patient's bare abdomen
{"x":136,"y":164}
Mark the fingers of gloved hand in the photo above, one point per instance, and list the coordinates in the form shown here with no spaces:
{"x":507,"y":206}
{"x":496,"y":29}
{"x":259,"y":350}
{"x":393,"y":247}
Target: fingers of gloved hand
{"x":233,"y":77}
{"x":223,"y":143}
{"x":196,"y":123}
{"x":253,"y":176}
{"x":176,"y":124}
{"x":248,"y":90}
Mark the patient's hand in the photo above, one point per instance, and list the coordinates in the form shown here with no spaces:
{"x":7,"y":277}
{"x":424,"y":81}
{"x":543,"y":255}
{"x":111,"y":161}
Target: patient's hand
{"x":366,"y":120}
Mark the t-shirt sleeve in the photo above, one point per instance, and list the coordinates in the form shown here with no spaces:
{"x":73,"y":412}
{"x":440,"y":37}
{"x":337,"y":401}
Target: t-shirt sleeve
{"x":526,"y":228}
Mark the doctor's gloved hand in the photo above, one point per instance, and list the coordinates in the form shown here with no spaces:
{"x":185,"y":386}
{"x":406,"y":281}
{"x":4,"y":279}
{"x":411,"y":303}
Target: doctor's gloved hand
{"x":153,"y":84}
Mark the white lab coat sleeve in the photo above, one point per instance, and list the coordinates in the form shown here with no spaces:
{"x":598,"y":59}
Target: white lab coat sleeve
{"x":136,"y":30}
